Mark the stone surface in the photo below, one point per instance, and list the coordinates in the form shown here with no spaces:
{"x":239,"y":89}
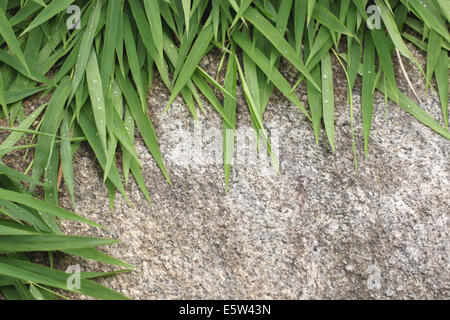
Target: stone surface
{"x":317,"y":230}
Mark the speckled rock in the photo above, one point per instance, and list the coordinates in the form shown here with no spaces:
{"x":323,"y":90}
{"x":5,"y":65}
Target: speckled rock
{"x":316,"y":230}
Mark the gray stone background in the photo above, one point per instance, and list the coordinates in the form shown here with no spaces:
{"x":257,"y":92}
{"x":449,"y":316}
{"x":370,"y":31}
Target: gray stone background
{"x":317,"y":230}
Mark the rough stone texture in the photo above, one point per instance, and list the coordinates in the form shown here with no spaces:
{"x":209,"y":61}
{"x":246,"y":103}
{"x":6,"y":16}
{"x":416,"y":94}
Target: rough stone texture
{"x":314,"y":231}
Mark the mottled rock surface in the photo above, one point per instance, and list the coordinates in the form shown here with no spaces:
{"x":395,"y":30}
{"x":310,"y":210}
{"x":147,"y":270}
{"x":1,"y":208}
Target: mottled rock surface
{"x":317,"y":230}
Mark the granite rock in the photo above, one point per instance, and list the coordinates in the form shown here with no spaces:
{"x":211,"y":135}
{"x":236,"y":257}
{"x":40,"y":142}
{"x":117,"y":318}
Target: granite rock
{"x":316,"y":230}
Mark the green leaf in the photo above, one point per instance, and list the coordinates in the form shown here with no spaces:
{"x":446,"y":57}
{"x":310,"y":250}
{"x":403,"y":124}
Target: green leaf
{"x":143,"y":122}
{"x":424,"y":8}
{"x":416,"y":111}
{"x":384,"y":54}
{"x":34,"y":273}
{"x":50,"y":125}
{"x":256,"y":115}
{"x":86,"y":45}
{"x":311,"y":5}
{"x":133,"y":61}
{"x":110,"y":41}
{"x":43,"y":242}
{"x":95,"y":86}
{"x":230,"y":111}
{"x":328,"y":99}
{"x":278,"y":41}
{"x":8,"y":35}
{"x":3,"y":98}
{"x":17,"y":175}
{"x":433,"y":54}
{"x":392,"y":29}
{"x":43,"y":206}
{"x":442,"y":83}
{"x":154,"y":18}
{"x":197,"y":52}
{"x":66,"y":157}
{"x":263,"y":63}
{"x":315,"y":102}
{"x":368,"y":86}
{"x":96,"y":145}
{"x":325,"y":17}
{"x":96,"y":255}
{"x":49,"y":12}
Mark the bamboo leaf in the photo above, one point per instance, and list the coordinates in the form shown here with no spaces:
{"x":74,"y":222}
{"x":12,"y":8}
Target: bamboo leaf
{"x":47,"y":13}
{"x":8,"y":35}
{"x":368,"y":86}
{"x":328,"y":99}
{"x":38,"y":274}
{"x":85,"y":47}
